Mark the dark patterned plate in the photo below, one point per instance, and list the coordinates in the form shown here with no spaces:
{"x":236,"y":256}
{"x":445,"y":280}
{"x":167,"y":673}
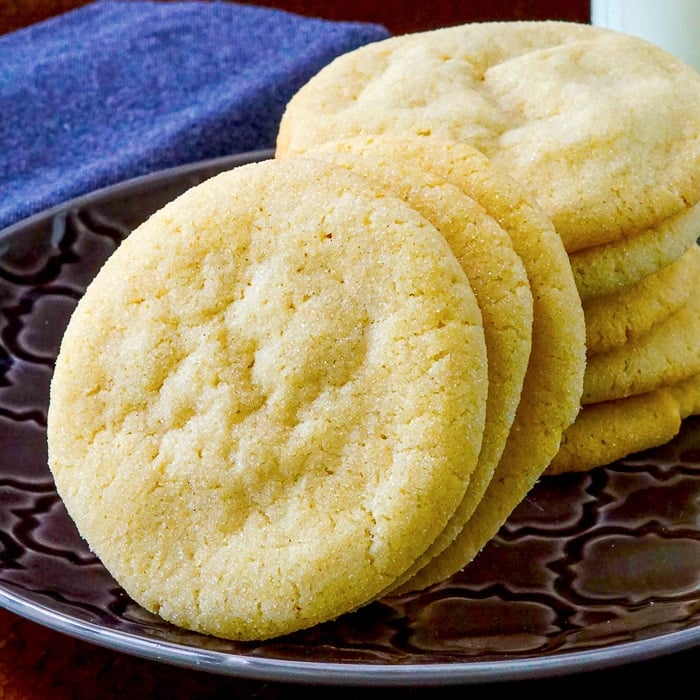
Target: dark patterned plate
{"x":592,"y":570}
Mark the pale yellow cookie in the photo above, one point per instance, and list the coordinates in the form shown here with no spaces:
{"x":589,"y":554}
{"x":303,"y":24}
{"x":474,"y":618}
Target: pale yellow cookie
{"x":603,"y":129}
{"x":552,"y":387}
{"x":614,"y":319}
{"x":269,"y":401}
{"x":607,"y":431}
{"x":687,"y":394}
{"x":667,"y":354}
{"x":607,"y":269}
{"x":611,"y":430}
{"x":497,"y":277}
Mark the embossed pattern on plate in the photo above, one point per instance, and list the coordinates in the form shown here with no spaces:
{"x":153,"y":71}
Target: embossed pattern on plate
{"x":591,"y":570}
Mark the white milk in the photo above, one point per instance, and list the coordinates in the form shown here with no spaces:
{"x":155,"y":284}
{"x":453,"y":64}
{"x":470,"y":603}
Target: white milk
{"x":673,"y":25}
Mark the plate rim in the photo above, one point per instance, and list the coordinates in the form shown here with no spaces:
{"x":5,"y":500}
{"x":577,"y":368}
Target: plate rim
{"x":358,"y":674}
{"x":233,"y":160}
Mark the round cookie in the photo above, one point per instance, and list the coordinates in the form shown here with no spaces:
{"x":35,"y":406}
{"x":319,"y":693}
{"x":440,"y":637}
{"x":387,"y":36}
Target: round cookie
{"x":601,"y":127}
{"x":496,"y":275}
{"x":608,"y":268}
{"x":667,"y":354}
{"x":607,"y":431}
{"x":269,"y":401}
{"x":613,"y":319}
{"x":687,"y":394}
{"x":550,"y":399}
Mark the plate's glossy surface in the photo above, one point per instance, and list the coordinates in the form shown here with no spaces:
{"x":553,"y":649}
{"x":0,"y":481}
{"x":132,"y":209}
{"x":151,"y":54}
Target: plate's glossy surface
{"x":592,"y":570}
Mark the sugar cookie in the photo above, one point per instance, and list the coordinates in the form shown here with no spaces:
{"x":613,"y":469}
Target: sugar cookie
{"x":496,"y":274}
{"x":667,"y":354}
{"x":607,"y":431}
{"x":613,"y":319}
{"x":551,"y":394}
{"x":601,"y":127}
{"x":269,"y":401}
{"x":611,"y":430}
{"x":607,"y":269}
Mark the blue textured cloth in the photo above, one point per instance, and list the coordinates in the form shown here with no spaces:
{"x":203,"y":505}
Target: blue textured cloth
{"x":118,"y":89}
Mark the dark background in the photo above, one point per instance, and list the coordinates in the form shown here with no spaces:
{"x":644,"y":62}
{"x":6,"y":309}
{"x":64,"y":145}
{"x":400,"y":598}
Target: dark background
{"x":398,"y":16}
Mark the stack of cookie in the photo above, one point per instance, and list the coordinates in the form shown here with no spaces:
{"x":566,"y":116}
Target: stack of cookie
{"x":643,"y":368}
{"x":310,"y":382}
{"x":314,"y":381}
{"x":603,"y":130}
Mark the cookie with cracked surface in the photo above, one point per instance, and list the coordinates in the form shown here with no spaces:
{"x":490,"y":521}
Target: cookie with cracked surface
{"x":601,"y":127}
{"x":270,"y":399}
{"x":550,"y":399}
{"x":496,"y":274}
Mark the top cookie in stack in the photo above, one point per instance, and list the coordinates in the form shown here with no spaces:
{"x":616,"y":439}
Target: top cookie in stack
{"x":603,"y":131}
{"x":602,"y":128}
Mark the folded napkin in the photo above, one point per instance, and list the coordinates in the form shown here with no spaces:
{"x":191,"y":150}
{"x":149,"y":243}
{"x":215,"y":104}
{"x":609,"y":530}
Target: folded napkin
{"x":118,"y":89}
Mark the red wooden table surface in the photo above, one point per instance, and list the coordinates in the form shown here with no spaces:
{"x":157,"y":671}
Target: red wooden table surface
{"x":397,"y":15}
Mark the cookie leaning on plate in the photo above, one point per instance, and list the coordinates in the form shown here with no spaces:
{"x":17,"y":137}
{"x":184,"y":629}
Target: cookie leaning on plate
{"x":269,"y":401}
{"x":496,"y":274}
{"x":550,"y":399}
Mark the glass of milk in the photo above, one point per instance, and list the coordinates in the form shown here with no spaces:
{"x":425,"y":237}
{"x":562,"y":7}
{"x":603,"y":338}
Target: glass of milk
{"x":673,"y":25}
